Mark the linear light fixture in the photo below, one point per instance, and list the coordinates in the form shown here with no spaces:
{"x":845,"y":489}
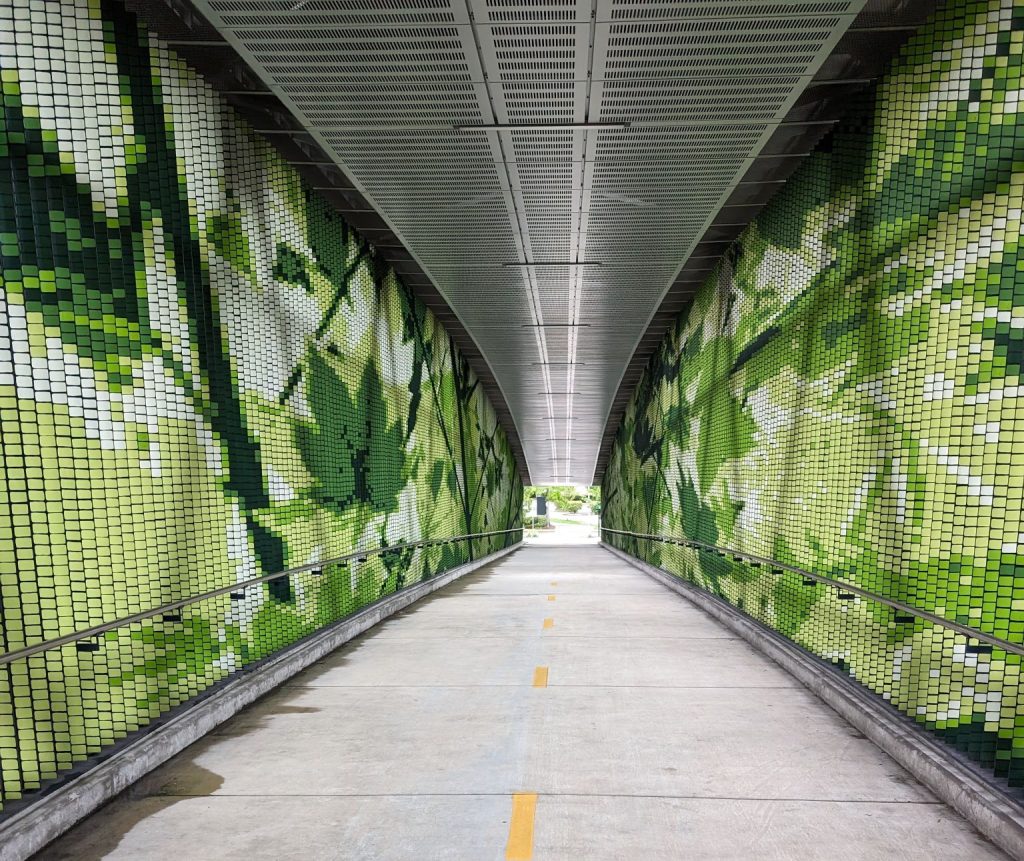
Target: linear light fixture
{"x":549,"y":439}
{"x":534,"y":127}
{"x":517,"y":265}
{"x":555,"y":325}
{"x":558,"y":363}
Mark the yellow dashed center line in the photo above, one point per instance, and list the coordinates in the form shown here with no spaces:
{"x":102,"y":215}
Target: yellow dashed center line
{"x":554,"y":582}
{"x":551,"y":597}
{"x":540,"y":677}
{"x":549,"y":623}
{"x":520,"y":826}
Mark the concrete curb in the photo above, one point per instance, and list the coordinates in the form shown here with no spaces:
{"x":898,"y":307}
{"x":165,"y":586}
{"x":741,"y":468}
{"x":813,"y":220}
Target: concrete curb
{"x":996,"y":815}
{"x":30,"y":829}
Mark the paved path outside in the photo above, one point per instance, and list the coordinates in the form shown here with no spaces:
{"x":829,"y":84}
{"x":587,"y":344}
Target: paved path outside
{"x":566,"y":529}
{"x":655,"y":735}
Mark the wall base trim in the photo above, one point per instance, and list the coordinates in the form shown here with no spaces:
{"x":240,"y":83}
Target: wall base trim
{"x":994,"y":813}
{"x":28,"y":830}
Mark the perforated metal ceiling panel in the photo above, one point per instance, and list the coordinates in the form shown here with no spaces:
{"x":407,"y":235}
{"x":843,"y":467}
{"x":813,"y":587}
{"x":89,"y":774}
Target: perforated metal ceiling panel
{"x":684,"y":95}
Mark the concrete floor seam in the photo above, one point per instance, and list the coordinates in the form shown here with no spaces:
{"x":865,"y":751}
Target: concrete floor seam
{"x":543,"y":794}
{"x":560,"y":636}
{"x":561,"y":685}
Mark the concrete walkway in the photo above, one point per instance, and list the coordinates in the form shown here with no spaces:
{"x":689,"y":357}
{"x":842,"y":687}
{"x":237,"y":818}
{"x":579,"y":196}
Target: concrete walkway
{"x":645,"y":730}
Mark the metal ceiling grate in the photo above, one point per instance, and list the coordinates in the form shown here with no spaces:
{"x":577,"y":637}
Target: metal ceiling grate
{"x":381,"y":84}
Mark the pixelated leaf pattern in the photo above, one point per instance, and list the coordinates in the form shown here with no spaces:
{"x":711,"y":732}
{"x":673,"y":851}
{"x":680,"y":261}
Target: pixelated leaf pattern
{"x":198,"y":398}
{"x":356,"y":425}
{"x":848,"y":388}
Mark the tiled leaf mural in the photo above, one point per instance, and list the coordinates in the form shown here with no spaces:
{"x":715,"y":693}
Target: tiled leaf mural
{"x":205,"y":377}
{"x":844,"y":395}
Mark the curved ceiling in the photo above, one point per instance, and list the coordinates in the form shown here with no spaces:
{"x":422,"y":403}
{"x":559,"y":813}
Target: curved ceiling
{"x":550,"y":165}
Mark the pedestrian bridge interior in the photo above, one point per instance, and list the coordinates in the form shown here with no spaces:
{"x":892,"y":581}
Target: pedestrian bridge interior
{"x":298,"y":295}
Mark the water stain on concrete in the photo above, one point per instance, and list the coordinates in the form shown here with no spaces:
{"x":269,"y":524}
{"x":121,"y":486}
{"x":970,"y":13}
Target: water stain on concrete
{"x":98,"y":837}
{"x":257,"y":717}
{"x":188,"y":779}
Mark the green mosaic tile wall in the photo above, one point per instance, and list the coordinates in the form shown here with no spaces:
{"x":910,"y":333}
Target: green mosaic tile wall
{"x":844,"y":395}
{"x":205,"y":376}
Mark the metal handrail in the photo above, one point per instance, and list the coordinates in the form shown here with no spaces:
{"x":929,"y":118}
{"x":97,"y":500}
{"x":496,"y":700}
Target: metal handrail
{"x":96,"y":630}
{"x":972,"y":633}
